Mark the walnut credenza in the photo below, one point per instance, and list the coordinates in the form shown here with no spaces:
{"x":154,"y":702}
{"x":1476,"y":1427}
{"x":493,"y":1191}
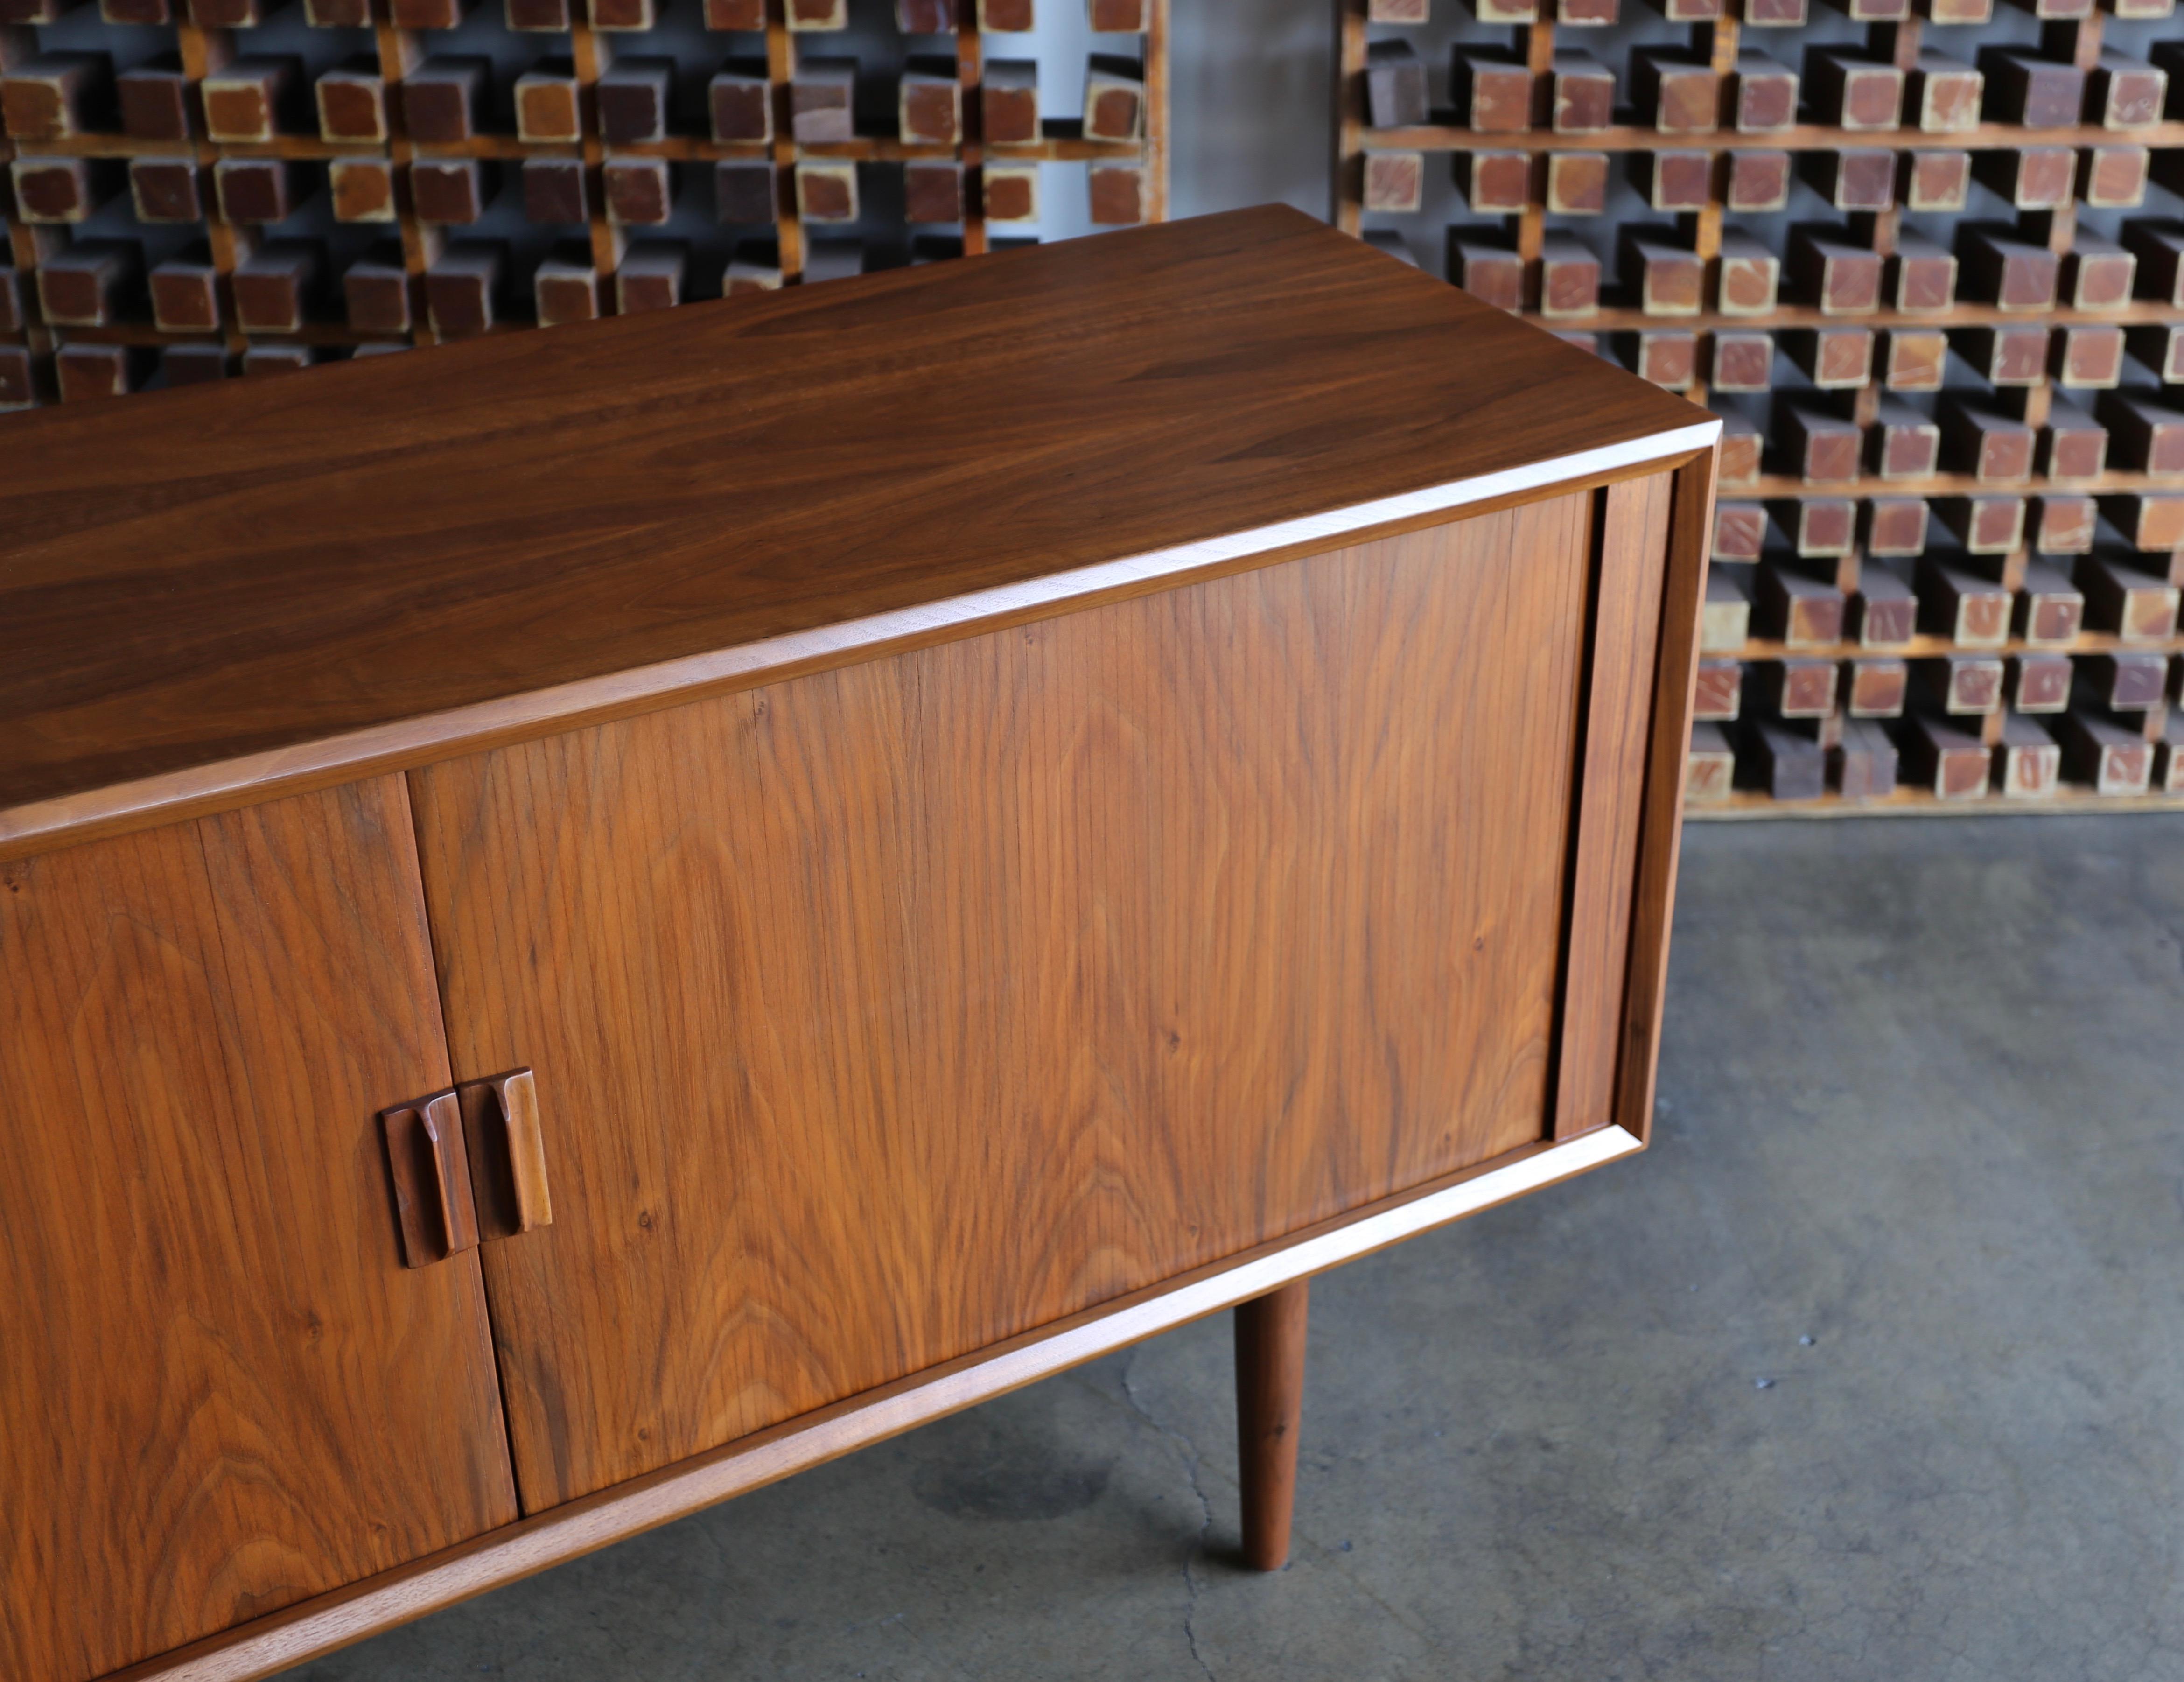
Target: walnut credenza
{"x":801,"y":863}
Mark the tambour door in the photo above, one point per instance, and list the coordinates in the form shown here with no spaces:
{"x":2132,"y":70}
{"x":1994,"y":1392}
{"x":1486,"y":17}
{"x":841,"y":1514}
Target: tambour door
{"x":883,"y":1013}
{"x":222,"y":1391}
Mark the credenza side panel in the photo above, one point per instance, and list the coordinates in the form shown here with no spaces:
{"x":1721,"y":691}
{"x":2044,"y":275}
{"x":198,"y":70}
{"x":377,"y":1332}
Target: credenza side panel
{"x":883,"y":1013}
{"x":1630,"y":571}
{"x":221,"y":1392}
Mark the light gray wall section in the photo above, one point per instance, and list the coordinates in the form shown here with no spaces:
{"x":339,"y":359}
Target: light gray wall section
{"x":1251,"y":104}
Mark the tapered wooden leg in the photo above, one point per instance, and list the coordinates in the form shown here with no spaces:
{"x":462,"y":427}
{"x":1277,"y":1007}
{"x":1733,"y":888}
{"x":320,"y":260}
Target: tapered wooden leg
{"x":1269,"y":1397}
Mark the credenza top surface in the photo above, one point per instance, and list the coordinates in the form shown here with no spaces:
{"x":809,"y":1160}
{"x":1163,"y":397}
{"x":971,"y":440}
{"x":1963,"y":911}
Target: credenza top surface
{"x":198,"y":577}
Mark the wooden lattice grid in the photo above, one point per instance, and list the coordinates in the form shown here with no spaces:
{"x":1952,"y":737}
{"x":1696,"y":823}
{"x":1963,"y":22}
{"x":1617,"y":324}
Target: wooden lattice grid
{"x":377,"y":126}
{"x":1562,"y":155}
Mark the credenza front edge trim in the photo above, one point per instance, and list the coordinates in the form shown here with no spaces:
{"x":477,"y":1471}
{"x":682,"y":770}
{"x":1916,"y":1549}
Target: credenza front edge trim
{"x":332,"y":1621}
{"x":405,"y":744}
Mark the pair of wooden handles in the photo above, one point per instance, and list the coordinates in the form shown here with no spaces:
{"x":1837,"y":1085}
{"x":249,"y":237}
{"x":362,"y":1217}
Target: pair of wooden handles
{"x":468,"y":1165}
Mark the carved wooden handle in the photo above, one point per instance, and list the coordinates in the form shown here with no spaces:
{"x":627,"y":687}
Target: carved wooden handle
{"x":508,"y":1155}
{"x":431,"y":1168}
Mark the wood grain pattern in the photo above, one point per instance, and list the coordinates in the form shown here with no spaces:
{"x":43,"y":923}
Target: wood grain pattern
{"x":517,"y":1550}
{"x":327,"y":761}
{"x":887,"y":1013}
{"x":1628,"y":581}
{"x":600,"y":503}
{"x":223,"y":1390}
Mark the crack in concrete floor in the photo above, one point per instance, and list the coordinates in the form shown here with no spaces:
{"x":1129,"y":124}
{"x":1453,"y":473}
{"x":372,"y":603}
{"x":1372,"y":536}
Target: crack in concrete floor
{"x":1188,"y":1451}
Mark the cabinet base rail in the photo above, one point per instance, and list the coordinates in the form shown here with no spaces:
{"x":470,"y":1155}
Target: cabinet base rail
{"x":327,"y":1622}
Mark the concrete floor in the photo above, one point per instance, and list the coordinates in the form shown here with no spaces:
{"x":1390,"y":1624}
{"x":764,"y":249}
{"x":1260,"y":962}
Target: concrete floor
{"x":1873,"y":1367}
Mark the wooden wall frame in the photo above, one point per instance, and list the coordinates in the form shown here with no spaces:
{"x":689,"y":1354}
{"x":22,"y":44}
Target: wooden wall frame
{"x":1672,"y":177}
{"x":398,"y":38}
